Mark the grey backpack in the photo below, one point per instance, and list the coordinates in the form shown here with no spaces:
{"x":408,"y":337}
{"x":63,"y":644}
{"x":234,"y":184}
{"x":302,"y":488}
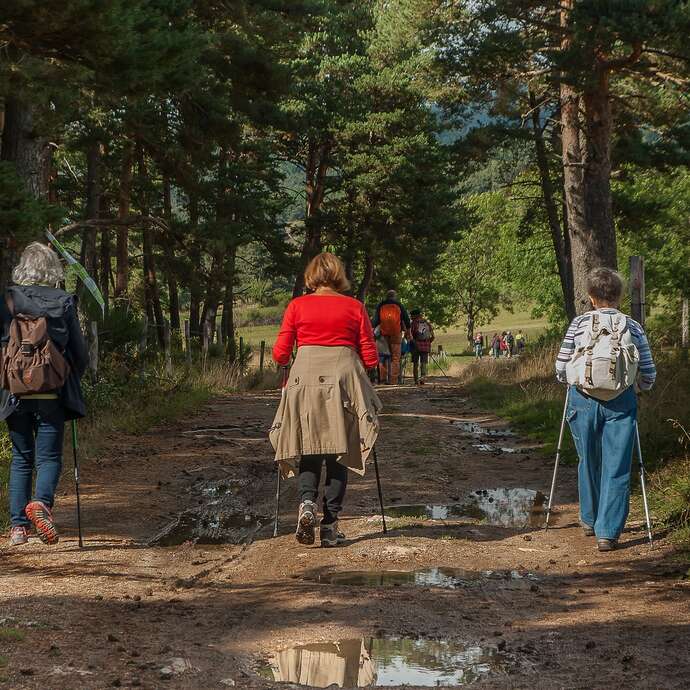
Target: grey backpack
{"x":606,"y":362}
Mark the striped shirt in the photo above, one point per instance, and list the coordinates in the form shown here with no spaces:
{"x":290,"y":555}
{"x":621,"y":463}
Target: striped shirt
{"x":575,"y":335}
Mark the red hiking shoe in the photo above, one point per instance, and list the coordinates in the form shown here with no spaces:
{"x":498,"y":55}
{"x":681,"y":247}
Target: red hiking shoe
{"x":42,"y":519}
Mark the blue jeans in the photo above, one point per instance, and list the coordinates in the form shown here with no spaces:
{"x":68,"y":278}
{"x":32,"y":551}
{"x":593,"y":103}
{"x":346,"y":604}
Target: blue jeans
{"x":37,"y":429}
{"x":604,"y":434}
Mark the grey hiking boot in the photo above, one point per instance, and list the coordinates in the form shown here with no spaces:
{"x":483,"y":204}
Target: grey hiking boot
{"x":331,"y":536}
{"x":306,"y":523}
{"x":588,"y":531}
{"x":606,"y":544}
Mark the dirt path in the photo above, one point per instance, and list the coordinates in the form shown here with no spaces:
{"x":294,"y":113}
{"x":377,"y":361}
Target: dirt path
{"x":551,"y":612}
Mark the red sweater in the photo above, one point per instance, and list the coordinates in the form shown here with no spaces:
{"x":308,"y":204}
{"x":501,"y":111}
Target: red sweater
{"x":330,"y":320}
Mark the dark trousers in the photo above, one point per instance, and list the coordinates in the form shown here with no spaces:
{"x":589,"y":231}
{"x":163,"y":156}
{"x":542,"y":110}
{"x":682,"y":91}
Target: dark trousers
{"x":336,"y":483}
{"x":417,"y":358}
{"x":37,"y":429}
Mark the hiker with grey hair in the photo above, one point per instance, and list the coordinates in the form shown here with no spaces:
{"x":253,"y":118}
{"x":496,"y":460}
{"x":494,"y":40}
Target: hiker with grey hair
{"x":603,"y":355}
{"x":42,"y":359}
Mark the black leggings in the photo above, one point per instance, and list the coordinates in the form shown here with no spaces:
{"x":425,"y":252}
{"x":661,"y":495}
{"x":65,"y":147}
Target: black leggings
{"x":336,"y":483}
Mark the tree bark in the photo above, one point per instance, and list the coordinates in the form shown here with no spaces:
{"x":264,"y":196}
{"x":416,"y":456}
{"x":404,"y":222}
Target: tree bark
{"x":586,"y":135}
{"x":89,"y":248}
{"x":31,"y":158}
{"x":228,"y":303}
{"x":124,"y":198}
{"x":195,"y":259}
{"x":558,"y":233}
{"x":368,"y":276}
{"x":318,"y":162}
{"x":169,"y":253}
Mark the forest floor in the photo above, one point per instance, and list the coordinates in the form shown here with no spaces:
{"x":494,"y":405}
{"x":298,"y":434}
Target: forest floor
{"x":528,"y":607}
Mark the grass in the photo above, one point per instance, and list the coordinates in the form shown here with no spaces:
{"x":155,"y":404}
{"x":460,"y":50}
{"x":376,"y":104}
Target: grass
{"x":524,"y":390}
{"x":11,"y":634}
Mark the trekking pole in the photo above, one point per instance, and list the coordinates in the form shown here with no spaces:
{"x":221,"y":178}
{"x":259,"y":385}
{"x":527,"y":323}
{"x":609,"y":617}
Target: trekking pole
{"x":76,"y":480}
{"x":643,"y":484}
{"x":438,"y":365}
{"x":558,"y":457}
{"x":378,"y":485}
{"x":275,"y":519}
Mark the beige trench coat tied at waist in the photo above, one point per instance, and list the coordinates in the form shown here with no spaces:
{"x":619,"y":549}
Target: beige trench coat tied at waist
{"x":328,"y":406}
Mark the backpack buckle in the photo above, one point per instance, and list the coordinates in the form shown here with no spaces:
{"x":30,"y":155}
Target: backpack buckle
{"x":26,"y":348}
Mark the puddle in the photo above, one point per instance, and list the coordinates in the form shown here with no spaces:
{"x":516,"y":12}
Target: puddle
{"x":445,"y":578}
{"x":383,"y":662}
{"x":488,"y":448}
{"x":222,"y":518}
{"x":478,"y":430}
{"x":501,"y":507}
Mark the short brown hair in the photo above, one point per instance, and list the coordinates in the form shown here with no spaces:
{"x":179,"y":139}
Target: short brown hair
{"x":326,"y":270}
{"x":605,"y":285}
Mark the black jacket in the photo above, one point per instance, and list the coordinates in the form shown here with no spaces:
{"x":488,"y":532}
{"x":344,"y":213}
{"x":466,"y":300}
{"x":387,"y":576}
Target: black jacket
{"x":60,"y":311}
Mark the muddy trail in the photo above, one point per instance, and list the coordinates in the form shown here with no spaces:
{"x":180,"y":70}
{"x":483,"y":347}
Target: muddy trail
{"x":181,"y":584}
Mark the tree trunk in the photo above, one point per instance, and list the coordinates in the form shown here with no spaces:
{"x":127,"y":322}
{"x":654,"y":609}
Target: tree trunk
{"x":586,"y":136}
{"x":228,"y":304}
{"x":316,"y":172}
{"x":563,"y":259}
{"x":195,"y":259}
{"x":23,"y":147}
{"x":105,"y":267}
{"x":124,"y":197}
{"x":152,"y":299}
{"x":89,"y":248}
{"x":169,"y":253}
{"x":31,"y":159}
{"x":368,"y":276}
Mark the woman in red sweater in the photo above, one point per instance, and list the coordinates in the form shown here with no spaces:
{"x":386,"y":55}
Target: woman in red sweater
{"x":328,"y":411}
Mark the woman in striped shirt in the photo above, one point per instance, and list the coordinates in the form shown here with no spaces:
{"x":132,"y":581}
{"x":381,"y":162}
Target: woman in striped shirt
{"x":604,"y":430}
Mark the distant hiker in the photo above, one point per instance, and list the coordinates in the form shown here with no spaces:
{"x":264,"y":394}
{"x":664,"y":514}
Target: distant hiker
{"x":43,"y":357}
{"x":519,"y":342}
{"x":384,"y":368}
{"x":328,"y":410}
{"x":393,"y":320}
{"x":496,"y":345}
{"x":603,"y":355}
{"x":503,"y":344}
{"x":478,"y":346}
{"x":422,"y":336}
{"x":510,"y":342}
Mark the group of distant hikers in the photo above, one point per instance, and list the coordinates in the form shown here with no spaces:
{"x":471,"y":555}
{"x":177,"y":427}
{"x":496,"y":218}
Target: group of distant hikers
{"x":329,"y":408}
{"x":504,"y":344}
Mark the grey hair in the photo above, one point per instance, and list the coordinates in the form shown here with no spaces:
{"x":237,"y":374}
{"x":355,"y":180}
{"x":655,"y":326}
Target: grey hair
{"x":38,"y":265}
{"x":605,"y":285}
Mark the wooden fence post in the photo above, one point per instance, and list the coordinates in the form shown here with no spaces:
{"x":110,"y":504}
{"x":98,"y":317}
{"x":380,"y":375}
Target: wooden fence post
{"x":188,"y":342}
{"x":93,"y":351}
{"x":204,"y":345}
{"x":637,"y":291}
{"x":142,"y":345}
{"x":262,"y":354}
{"x":168,"y":349}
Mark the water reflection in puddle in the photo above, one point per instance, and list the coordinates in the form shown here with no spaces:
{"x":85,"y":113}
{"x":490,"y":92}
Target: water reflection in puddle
{"x":379,"y":662}
{"x":223,"y":517}
{"x":502,"y":507}
{"x":478,"y":430}
{"x":446,"y":578}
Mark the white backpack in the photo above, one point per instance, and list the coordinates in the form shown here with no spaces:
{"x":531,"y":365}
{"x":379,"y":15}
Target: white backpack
{"x":606,"y":363}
